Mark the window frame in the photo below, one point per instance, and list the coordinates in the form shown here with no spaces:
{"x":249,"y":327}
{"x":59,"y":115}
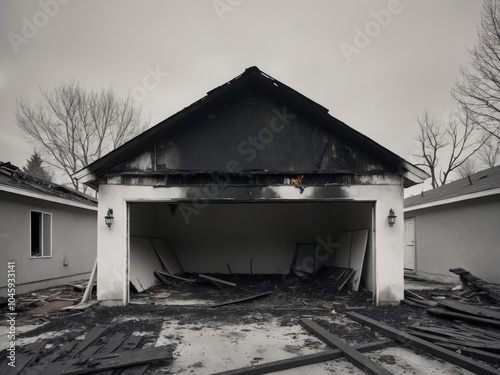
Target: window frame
{"x":42,"y":231}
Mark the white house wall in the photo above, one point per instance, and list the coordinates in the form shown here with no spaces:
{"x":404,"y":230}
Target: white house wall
{"x":73,"y":243}
{"x":385,"y":192}
{"x":463,"y":234}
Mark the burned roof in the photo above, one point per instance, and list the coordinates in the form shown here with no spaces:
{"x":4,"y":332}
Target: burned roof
{"x":251,"y":78}
{"x":18,"y":181}
{"x":483,"y":181}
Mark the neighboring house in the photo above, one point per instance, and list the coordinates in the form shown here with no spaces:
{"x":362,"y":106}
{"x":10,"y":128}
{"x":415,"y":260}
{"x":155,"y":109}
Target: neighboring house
{"x":238,"y":178}
{"x":455,"y":225}
{"x":47,"y":230}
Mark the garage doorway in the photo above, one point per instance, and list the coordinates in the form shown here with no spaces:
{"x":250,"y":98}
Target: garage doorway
{"x":251,"y":238}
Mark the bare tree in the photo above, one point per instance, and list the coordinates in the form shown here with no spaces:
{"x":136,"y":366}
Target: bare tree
{"x":444,"y":148}
{"x":468,"y":168}
{"x":72,"y":127}
{"x":489,"y":154}
{"x":479,"y":91}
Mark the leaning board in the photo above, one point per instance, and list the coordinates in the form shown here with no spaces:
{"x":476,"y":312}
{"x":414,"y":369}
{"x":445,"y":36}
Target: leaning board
{"x":358,"y":249}
{"x":167,"y":255}
{"x":143,"y":262}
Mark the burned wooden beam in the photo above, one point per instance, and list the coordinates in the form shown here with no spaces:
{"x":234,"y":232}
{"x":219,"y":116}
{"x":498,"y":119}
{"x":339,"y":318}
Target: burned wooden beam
{"x":79,"y":366}
{"x":358,"y":359}
{"x":471,"y":309}
{"x":216,"y":280}
{"x":470,"y":318}
{"x":421,"y":344}
{"x":28,"y":356}
{"x":422,"y":302}
{"x":174,"y":276}
{"x":255,"y":296}
{"x":471,"y":352}
{"x":91,"y":338}
{"x":304,"y":360}
{"x":490,"y":346}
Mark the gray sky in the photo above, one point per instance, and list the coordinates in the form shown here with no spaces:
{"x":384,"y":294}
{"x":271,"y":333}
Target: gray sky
{"x":407,"y":60}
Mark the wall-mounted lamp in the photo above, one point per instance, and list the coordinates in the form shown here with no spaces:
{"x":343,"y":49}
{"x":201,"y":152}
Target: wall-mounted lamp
{"x":109,"y":218}
{"x":392,"y":217}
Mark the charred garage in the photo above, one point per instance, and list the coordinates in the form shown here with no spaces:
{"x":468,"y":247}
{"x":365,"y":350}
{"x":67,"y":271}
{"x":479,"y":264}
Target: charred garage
{"x":242,"y":178}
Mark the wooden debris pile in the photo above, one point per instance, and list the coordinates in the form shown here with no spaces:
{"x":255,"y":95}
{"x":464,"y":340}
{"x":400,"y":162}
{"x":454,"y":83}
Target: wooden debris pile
{"x":336,"y":277}
{"x":480,"y":340}
{"x":462,"y":338}
{"x":474,"y":286}
{"x":36,"y":307}
{"x":97,"y":352}
{"x":355,"y":354}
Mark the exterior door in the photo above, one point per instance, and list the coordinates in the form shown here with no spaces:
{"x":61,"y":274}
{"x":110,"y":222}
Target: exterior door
{"x":410,"y":244}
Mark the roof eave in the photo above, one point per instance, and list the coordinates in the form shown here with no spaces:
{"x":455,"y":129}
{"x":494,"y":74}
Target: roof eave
{"x":460,"y":198}
{"x":413,"y":175}
{"x":48,"y":198}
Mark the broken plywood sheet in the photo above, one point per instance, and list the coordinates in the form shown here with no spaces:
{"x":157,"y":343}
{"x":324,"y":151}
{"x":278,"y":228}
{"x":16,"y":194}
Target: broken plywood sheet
{"x":143,"y":262}
{"x":167,"y":256}
{"x":343,"y":252}
{"x":304,"y":258}
{"x":358,"y":249}
{"x":351,"y":253}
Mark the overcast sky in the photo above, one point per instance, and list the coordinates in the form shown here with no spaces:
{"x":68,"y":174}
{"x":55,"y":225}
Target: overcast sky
{"x":374,"y":64}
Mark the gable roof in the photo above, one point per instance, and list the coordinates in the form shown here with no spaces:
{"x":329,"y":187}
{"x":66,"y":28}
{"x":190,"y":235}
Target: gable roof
{"x":479,"y":184}
{"x":251,"y":78}
{"x":14,"y":180}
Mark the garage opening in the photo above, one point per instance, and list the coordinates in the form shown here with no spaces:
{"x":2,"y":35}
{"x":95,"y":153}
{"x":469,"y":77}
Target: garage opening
{"x":272,"y":238}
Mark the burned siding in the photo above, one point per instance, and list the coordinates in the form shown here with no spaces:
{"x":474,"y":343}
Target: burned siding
{"x":252,"y":134}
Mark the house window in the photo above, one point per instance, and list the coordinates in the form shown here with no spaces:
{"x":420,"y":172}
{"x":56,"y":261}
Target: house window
{"x":41,"y":234}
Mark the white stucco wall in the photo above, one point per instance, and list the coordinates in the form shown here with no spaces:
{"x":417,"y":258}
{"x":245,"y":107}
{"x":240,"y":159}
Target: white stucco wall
{"x":388,"y":241}
{"x":74,"y":243}
{"x":463,"y":234}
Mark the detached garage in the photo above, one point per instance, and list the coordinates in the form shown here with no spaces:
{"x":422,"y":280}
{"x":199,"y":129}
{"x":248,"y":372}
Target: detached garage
{"x":240,"y":180}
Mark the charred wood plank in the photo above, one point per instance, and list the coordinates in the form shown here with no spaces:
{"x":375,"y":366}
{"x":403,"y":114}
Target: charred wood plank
{"x":423,"y":302}
{"x":216,"y":280}
{"x":174,"y":276}
{"x":110,"y":361}
{"x":471,"y":352}
{"x":490,"y":347}
{"x":91,"y":338}
{"x":471,"y":318}
{"x":310,"y":359}
{"x":130,"y":343}
{"x":58,"y":353}
{"x":241,"y":299}
{"x":471,"y":309}
{"x":409,"y":293}
{"x":114,"y":343}
{"x":421,"y":344}
{"x":358,"y":359}
{"x":27,"y":357}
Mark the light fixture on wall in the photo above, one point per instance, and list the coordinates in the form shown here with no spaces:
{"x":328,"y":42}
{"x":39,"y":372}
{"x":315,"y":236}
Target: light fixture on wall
{"x":109,"y":218}
{"x":392,"y":217}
